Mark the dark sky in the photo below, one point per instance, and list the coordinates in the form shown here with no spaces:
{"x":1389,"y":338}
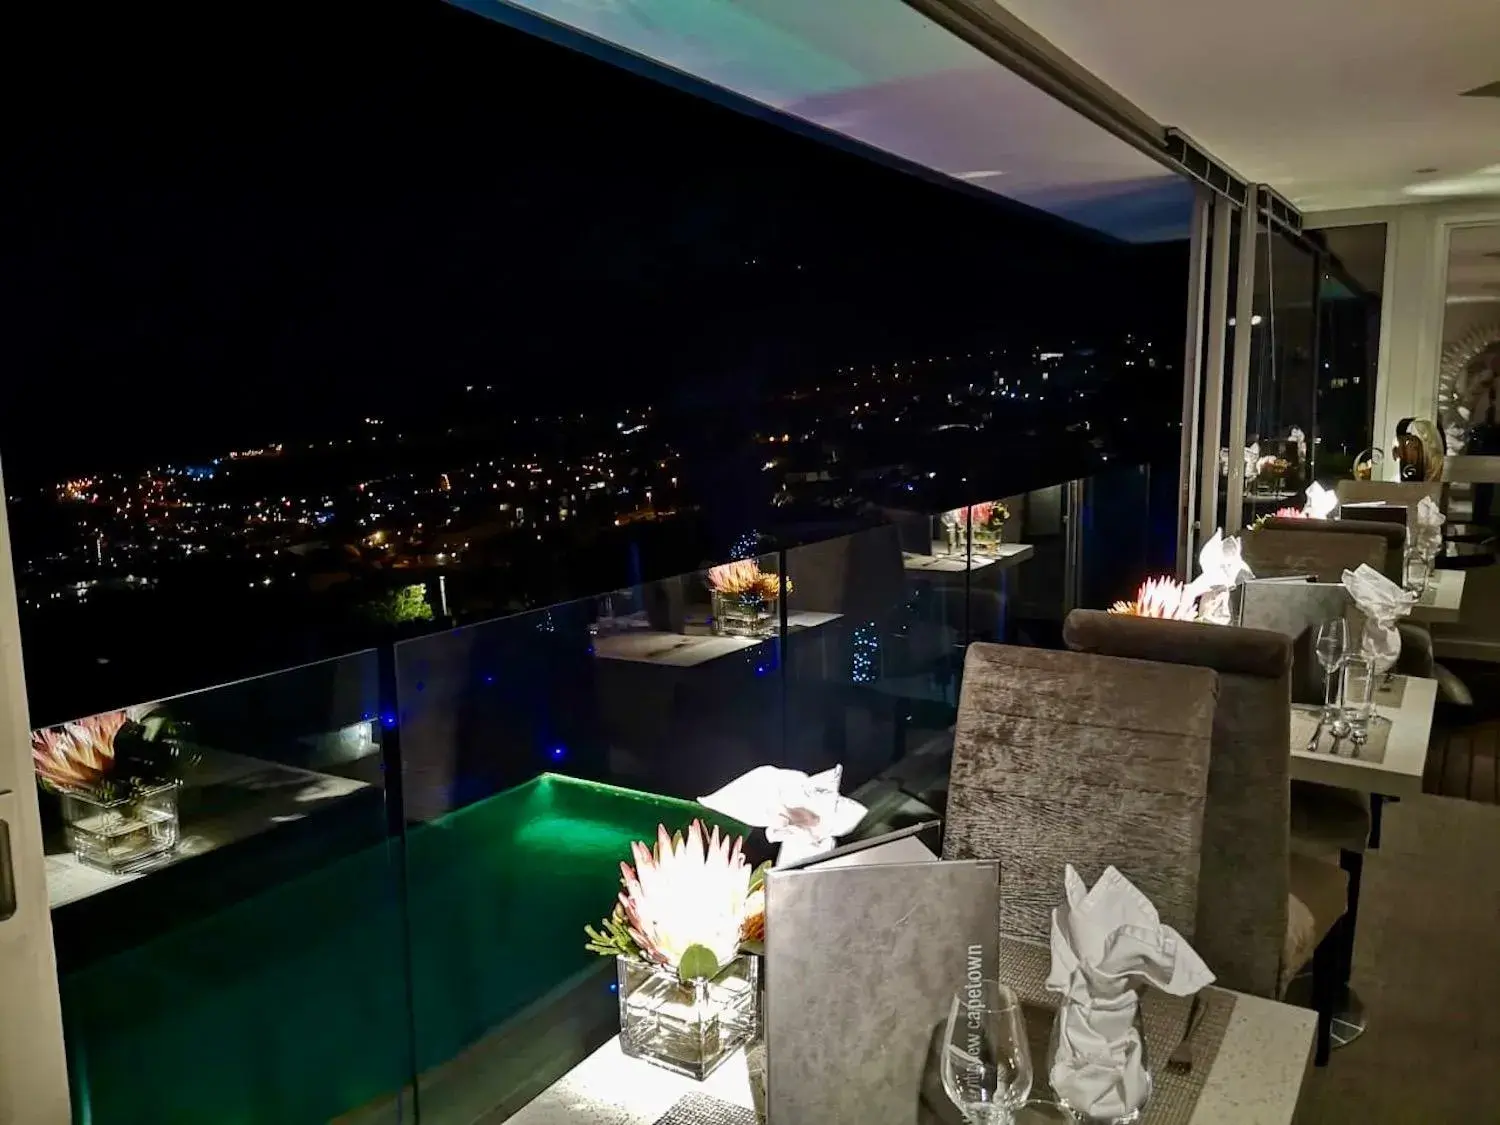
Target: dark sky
{"x":232,"y":224}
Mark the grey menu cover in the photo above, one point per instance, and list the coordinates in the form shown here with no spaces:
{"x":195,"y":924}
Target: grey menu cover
{"x":861,"y":966}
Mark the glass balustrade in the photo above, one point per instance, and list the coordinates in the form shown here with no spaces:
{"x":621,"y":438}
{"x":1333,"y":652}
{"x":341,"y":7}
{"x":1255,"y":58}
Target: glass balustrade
{"x":356,"y":890}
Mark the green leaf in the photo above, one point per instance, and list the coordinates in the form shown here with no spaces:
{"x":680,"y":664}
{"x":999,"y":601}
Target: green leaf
{"x":698,"y":962}
{"x":758,"y":876}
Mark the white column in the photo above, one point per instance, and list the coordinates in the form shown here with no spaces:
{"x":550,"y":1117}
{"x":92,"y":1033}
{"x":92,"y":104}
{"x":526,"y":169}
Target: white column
{"x":33,"y":1069}
{"x":1411,"y":324}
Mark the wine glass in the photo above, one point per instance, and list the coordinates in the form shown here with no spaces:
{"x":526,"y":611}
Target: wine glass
{"x":1332,"y":646}
{"x":986,"y":1060}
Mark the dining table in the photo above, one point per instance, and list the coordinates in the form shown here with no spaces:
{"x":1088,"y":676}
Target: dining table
{"x":1441,"y":601}
{"x":1391,"y":763}
{"x":1253,"y":1077}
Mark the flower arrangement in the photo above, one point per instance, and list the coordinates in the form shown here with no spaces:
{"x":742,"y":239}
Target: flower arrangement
{"x":1272,"y":466}
{"x":116,"y":777}
{"x":110,"y":754}
{"x":1164,"y":598}
{"x":689,"y":905}
{"x":745,"y":582}
{"x":983,"y":514}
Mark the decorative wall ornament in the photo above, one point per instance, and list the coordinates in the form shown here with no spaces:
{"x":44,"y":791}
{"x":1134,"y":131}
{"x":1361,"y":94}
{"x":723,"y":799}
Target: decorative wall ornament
{"x":1467,"y":372}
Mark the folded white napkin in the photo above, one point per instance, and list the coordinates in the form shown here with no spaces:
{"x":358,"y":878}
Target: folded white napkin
{"x":1106,"y":943}
{"x":1220,"y":568}
{"x":1320,"y":501}
{"x":1428,"y":541}
{"x":1252,"y":461}
{"x":803,"y":814}
{"x":1382,"y":602}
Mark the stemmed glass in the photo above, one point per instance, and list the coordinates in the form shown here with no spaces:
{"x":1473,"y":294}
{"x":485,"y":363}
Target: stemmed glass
{"x":1332,"y":646}
{"x":986,"y":1060}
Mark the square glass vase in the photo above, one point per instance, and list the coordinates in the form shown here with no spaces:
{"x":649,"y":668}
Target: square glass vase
{"x":734,"y":618}
{"x":989,"y":538}
{"x":125,"y":832}
{"x":689,"y":1028}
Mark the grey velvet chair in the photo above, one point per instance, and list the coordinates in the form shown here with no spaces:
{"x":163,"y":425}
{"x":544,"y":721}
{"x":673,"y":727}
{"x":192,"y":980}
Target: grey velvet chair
{"x":1062,"y":758}
{"x":1323,"y":549}
{"x":1264,"y":911}
{"x":1327,"y":548}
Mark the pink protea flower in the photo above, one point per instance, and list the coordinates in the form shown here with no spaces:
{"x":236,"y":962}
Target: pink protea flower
{"x":77,"y":755}
{"x":1160,"y":597}
{"x":691,"y":890}
{"x":1290,"y":514}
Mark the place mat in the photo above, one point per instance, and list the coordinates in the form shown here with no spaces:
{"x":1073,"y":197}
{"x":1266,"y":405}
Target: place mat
{"x":700,"y":1109}
{"x":1305,"y":721}
{"x":1176,"y":1088}
{"x":1389,"y":693}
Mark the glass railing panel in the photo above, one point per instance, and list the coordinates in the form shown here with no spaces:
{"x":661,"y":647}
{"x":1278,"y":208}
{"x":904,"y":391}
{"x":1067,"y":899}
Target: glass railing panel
{"x":254,"y":971}
{"x":874,"y":634}
{"x":1115,"y":535}
{"x":1035,"y":590}
{"x":536,"y":749}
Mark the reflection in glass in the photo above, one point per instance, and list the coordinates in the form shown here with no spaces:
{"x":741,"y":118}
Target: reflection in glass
{"x":1349,"y":312}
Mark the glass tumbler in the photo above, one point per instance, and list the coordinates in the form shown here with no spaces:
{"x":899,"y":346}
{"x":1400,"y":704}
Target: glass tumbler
{"x":1360,"y":678}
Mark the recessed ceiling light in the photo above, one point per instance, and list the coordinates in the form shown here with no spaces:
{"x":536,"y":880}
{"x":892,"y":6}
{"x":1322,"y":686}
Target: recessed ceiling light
{"x":982,"y":174}
{"x":1424,"y":171}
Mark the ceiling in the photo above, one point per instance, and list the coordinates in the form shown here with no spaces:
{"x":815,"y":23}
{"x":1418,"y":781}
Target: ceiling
{"x":1335,"y":103}
{"x":878,"y":73}
{"x":1474,"y":265}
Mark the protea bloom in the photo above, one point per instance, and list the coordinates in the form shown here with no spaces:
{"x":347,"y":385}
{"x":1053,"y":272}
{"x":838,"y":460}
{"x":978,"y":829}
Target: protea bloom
{"x":77,"y":755}
{"x":691,"y":890}
{"x":1160,"y":597}
{"x":1290,"y":514}
{"x":745,"y":580}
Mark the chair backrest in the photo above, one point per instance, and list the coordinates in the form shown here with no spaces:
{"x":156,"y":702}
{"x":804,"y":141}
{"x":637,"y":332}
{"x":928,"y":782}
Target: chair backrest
{"x":1243,"y":879}
{"x":1062,"y":757}
{"x":1405,"y":493}
{"x":1323,"y":555}
{"x":1393,"y":535}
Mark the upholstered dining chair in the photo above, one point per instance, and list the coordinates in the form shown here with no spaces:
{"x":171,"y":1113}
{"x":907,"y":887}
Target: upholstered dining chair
{"x":1264,"y":910}
{"x":1067,"y":758}
{"x":1324,"y":549}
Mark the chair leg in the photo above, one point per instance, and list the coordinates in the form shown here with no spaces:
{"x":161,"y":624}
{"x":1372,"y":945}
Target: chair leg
{"x":1353,"y":864}
{"x":1377,"y":806}
{"x":1325,"y":970}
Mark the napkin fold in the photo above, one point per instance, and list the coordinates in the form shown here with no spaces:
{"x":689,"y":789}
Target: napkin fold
{"x":804,"y":814}
{"x":1320,"y":501}
{"x":1107,"y":942}
{"x":1220,"y":568}
{"x":1382,"y":602}
{"x":1428,"y":538}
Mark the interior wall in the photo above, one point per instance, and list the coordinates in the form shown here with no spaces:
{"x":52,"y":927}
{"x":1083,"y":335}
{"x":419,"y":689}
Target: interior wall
{"x":1463,"y":319}
{"x":1413,"y":313}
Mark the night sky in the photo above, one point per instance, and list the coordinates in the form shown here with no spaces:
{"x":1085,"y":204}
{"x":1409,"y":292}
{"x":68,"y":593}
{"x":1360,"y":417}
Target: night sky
{"x":250,"y":226}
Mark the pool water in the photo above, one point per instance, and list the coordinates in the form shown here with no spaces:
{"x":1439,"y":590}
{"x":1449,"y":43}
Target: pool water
{"x":290,"y":1006}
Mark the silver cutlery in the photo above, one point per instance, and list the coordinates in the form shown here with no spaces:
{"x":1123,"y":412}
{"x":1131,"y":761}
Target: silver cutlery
{"x":1182,"y":1056}
{"x":1312,"y":743}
